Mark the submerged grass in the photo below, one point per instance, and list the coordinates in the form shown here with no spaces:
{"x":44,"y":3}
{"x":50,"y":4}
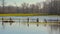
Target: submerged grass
{"x":48,"y":23}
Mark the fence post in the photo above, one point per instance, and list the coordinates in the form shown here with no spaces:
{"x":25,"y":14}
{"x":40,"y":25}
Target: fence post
{"x":37,"y":20}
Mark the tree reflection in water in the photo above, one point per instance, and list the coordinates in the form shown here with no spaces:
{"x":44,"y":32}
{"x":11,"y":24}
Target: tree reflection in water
{"x":54,"y":28}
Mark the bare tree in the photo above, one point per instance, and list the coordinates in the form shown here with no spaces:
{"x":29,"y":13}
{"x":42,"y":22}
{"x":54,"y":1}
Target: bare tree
{"x":3,"y":5}
{"x":24,"y":7}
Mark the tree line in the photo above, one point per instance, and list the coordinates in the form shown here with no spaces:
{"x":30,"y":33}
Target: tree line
{"x":52,"y":7}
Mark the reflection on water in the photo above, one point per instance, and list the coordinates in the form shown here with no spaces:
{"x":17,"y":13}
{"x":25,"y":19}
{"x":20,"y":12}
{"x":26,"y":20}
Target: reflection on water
{"x":28,"y":27}
{"x":55,"y":29}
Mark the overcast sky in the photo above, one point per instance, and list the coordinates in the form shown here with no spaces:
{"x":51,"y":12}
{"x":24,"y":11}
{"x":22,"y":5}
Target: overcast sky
{"x":18,"y":2}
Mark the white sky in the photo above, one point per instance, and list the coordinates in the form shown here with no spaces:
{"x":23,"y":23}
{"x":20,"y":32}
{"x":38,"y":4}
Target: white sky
{"x":18,"y":2}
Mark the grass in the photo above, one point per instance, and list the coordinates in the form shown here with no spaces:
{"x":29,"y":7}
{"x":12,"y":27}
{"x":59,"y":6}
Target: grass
{"x":26,"y":15}
{"x":48,"y":23}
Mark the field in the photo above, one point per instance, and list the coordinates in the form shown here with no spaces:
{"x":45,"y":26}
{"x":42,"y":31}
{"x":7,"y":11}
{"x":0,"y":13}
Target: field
{"x":26,"y":15}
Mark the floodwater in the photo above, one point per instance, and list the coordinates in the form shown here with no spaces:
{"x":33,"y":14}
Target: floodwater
{"x":23,"y":26}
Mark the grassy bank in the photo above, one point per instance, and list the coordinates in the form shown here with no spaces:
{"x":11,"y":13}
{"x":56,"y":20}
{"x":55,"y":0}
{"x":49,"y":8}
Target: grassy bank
{"x":26,"y":15}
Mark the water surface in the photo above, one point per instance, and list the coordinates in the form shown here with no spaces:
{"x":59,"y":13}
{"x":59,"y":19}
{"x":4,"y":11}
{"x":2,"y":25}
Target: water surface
{"x":21,"y":26}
